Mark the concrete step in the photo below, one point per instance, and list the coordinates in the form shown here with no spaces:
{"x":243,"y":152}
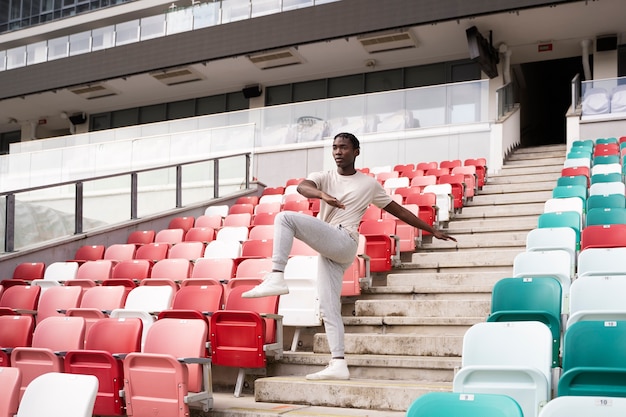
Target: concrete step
{"x":510,"y":224}
{"x":466,"y":259}
{"x":485,"y":211}
{"x":533,"y":178}
{"x":505,"y":197}
{"x":423,"y":308}
{"x":424,"y":283}
{"x":543,"y":161}
{"x":362,"y":394}
{"x":520,"y":169}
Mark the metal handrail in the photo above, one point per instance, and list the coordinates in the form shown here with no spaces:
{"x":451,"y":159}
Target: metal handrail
{"x":9,"y":196}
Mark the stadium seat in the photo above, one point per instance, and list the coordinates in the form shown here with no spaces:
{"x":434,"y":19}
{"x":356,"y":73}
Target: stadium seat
{"x":573,"y":180}
{"x":563,"y":191}
{"x":245,"y":332}
{"x":248,"y":199}
{"x":186,"y":250}
{"x":407,"y":234}
{"x":256,"y":248}
{"x":603,"y":188}
{"x":263,"y":231}
{"x":141,"y":237}
{"x":15,"y":331}
{"x":241,"y":208}
{"x":153,"y":251}
{"x":584,"y":406}
{"x":580,"y":170}
{"x":530,"y":299}
{"x":606,"y":215}
{"x":89,"y":253}
{"x":175,"y":269}
{"x":215,"y":268}
{"x":105,"y":347}
{"x":508,"y":358}
{"x":213,"y":221}
{"x":223,"y":249}
{"x":120,"y":251}
{"x":202,"y":234}
{"x":301,"y":205}
{"x":52,"y":335}
{"x":481,"y":170}
{"x":602,"y":261}
{"x":301,"y":248}
{"x":97,"y":303}
{"x":597,"y":298}
{"x":423,"y":181}
{"x":132,"y":269}
{"x":427,"y":165}
{"x":564,"y":204}
{"x":301,"y":307}
{"x":172,"y":373}
{"x":457,"y":184}
{"x":606,"y":201}
{"x":263,"y":219}
{"x":253,"y":268}
{"x":182,"y":222}
{"x":29,"y":271}
{"x":593,"y":359}
{"x":170,"y":236}
{"x":61,"y":271}
{"x":19,"y":298}
{"x":471,"y":179}
{"x":599,"y":169}
{"x":554,"y":238}
{"x":382,"y":244}
{"x":232,"y":233}
{"x":202,"y":298}
{"x":603,"y":236}
{"x":451,"y":404}
{"x":219,"y":209}
{"x":550,"y":263}
{"x":571,"y":219}
{"x":97,"y":271}
{"x":10,"y":381}
{"x":57,"y":298}
{"x":606,"y":177}
{"x":57,"y":394}
{"x":237,"y":219}
{"x":444,"y":201}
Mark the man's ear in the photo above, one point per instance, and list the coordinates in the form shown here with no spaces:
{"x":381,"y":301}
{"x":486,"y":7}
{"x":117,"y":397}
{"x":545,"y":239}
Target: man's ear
{"x":357,"y":152}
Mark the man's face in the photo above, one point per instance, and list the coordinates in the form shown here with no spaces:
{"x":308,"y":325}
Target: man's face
{"x":344,"y":152}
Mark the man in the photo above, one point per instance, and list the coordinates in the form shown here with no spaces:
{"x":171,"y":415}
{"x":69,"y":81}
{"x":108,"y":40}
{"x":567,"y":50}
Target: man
{"x":345,"y":193}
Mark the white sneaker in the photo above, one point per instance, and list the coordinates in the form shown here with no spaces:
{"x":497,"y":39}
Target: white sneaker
{"x":336,"y":369}
{"x":273,"y":284}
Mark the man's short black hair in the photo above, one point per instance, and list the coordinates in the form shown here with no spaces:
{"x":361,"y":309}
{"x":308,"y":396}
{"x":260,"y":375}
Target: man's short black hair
{"x":350,"y":137}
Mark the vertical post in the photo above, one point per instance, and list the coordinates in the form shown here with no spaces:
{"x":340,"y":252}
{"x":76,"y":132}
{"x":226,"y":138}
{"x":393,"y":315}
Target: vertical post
{"x":179,"y":186}
{"x":133,"y":195}
{"x":78,"y":208}
{"x":9,"y":224}
{"x":248,"y":161}
{"x":216,"y":178}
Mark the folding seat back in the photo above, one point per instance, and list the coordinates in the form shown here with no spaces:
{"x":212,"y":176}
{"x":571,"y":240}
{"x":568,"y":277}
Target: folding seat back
{"x":564,"y":204}
{"x":301,"y":307}
{"x":29,"y":271}
{"x":391,"y":184}
{"x":133,"y":269}
{"x":577,"y":162}
{"x":161,"y":379}
{"x":57,"y":298}
{"x":606,"y":177}
{"x":223,"y":249}
{"x":580,"y":170}
{"x":153,"y":251}
{"x":407,"y":234}
{"x":233,"y":233}
{"x":120,"y":251}
{"x":601,"y":262}
{"x":241,"y":208}
{"x":57,"y":394}
{"x":20,"y":297}
{"x":565,"y":191}
{"x":141,"y":237}
{"x":273,"y":190}
{"x":238,"y":219}
{"x":89,"y":253}
{"x":423,"y":181}
{"x":61,"y":271}
{"x":444,"y":200}
{"x":471,"y":179}
{"x":268,"y":206}
{"x":606,"y":201}
{"x":554,"y":238}
{"x":213,"y":221}
{"x":175,"y":269}
{"x":216,"y":268}
{"x":437,"y":172}
{"x":245,"y":332}
{"x":202,"y":298}
{"x":97,"y":303}
{"x":602,"y":188}
{"x":296,"y":205}
{"x":109,"y":337}
{"x":603,"y":236}
{"x":481,"y":170}
{"x":597,"y":298}
{"x":508,"y":358}
{"x":97,"y":270}
{"x":404,"y":167}
{"x":301,"y":248}
{"x":52,"y":335}
{"x":254,"y":268}
{"x":551,"y":263}
{"x":573,"y":180}
{"x":257,"y":248}
{"x":458,"y":185}
{"x":594,"y":359}
{"x":450,"y":163}
{"x":248,"y":199}
{"x":452,"y":404}
{"x":606,"y":215}
{"x":265,"y":231}
{"x":530,"y":299}
{"x":15,"y":331}
{"x":562,"y":219}
{"x":171,"y":236}
{"x":606,"y":159}
{"x":426,"y":165}
{"x":200,"y":234}
{"x":372,"y":213}
{"x":219,"y":209}
{"x":182,"y":222}
{"x":263,"y":218}
{"x":381,"y":177}
{"x":599,"y":169}
{"x":584,"y":406}
{"x":10,"y":381}
{"x":186,"y":250}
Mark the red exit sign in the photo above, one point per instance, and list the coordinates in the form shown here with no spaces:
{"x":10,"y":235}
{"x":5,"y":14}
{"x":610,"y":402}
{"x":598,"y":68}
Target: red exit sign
{"x":544,"y":47}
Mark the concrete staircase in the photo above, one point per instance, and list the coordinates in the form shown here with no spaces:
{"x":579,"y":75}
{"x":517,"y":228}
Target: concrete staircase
{"x":404,"y":335}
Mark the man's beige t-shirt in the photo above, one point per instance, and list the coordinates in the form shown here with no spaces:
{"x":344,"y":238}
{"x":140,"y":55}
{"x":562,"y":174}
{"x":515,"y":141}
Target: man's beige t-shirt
{"x":356,"y":192}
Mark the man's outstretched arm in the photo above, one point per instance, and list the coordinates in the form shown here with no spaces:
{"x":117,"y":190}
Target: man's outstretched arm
{"x":409,"y":218}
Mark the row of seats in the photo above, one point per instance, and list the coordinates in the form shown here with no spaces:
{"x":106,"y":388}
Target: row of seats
{"x":554,"y":339}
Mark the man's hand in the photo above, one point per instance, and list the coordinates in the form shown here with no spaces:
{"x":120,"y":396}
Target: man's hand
{"x":443,"y":236}
{"x":332,"y":201}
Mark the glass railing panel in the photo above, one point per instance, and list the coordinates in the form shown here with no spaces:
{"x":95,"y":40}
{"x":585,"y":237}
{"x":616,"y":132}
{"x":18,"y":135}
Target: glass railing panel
{"x":156,"y":191}
{"x":127,"y":32}
{"x":197,"y":182}
{"x":388,"y":112}
{"x":103,"y":38}
{"x":265,"y":7}
{"x":16,"y":57}
{"x":3,"y":60}
{"x":206,"y":14}
{"x":465,"y":103}
{"x":106,"y":201}
{"x":179,"y":21}
{"x":232,"y":175}
{"x":80,"y":43}
{"x":605,"y":96}
{"x":235,"y":10}
{"x":36,"y":53}
{"x":45,"y":215}
{"x":296,"y":4}
{"x":58,"y":48}
{"x":152,"y":27}
{"x":427,"y":106}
